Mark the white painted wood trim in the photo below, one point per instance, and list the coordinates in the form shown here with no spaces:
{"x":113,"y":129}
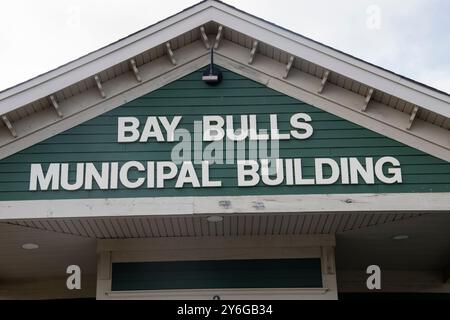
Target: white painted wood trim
{"x":226,"y":294}
{"x":186,"y":243}
{"x":209,"y":254}
{"x":317,"y":203}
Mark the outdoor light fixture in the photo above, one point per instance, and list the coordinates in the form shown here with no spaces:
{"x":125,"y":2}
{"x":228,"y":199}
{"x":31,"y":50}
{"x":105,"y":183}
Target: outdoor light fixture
{"x":400,"y":237}
{"x":214,"y":219}
{"x":30,"y":246}
{"x":212,"y":75}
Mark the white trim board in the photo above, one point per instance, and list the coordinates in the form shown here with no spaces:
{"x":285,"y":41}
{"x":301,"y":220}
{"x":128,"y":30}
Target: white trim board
{"x":226,"y":15}
{"x":224,"y":294}
{"x":315,"y":203}
{"x":218,"y":242}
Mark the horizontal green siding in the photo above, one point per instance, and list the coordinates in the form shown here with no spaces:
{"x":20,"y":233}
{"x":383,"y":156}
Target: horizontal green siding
{"x":260,"y":273}
{"x":96,"y":141}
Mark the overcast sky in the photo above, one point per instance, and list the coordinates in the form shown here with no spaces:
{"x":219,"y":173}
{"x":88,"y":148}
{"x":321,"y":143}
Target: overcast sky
{"x":408,"y":37}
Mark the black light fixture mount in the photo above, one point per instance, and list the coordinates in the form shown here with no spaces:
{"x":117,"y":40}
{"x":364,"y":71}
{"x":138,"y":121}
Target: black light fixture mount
{"x":212,"y":75}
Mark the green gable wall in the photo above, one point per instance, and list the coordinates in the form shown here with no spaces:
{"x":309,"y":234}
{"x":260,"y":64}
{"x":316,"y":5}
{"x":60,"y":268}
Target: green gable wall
{"x":333,"y":137}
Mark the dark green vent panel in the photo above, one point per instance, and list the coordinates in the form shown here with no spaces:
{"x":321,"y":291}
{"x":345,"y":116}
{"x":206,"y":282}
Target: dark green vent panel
{"x":260,"y":273}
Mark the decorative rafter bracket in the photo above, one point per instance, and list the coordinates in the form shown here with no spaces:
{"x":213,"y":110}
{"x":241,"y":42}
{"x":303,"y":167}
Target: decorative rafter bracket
{"x":100,"y":86}
{"x":324,"y":81}
{"x":204,"y":37}
{"x":218,"y":37}
{"x":412,"y":117}
{"x":367,"y":100}
{"x":170,"y":54}
{"x":288,"y":66}
{"x":135,"y":70}
{"x":253,"y":51}
{"x":9,"y":125}
{"x":56,"y":106}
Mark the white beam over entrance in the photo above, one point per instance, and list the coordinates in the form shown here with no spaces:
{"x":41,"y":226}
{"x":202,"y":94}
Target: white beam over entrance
{"x":361,"y":202}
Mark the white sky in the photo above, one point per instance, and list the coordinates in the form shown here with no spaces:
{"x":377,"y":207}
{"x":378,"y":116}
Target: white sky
{"x":408,"y":37}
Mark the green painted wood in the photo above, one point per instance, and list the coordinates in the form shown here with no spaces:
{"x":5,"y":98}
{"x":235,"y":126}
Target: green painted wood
{"x":95,"y":141}
{"x":260,"y":273}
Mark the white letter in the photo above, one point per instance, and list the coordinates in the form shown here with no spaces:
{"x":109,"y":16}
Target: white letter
{"x":344,"y":171}
{"x":74,"y":280}
{"x":301,"y":125}
{"x":161,"y":176}
{"x":254,"y":135}
{"x":289,"y":172}
{"x":374,"y":281}
{"x":114,"y":174}
{"x":274,"y":132}
{"x":243,"y":172}
{"x":242,"y":131}
{"x":127,"y":124}
{"x":170,"y":127}
{"x":319,"y":171}
{"x":357,"y":169}
{"x":213,"y":152}
{"x":373,"y":21}
{"x":298,"y":171}
{"x":65,"y":177}
{"x":182,"y":150}
{"x":150,"y":174}
{"x":151,"y":129}
{"x":187,"y":175}
{"x":396,"y":172}
{"x":205,"y":177}
{"x":123,"y":174}
{"x":217,"y":129}
{"x":93,"y":174}
{"x":36,"y":175}
{"x":266,"y":175}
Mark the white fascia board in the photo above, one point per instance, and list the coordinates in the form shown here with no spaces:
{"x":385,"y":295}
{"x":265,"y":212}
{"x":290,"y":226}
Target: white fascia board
{"x":311,"y":203}
{"x":332,"y":60}
{"x":104,"y":58}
